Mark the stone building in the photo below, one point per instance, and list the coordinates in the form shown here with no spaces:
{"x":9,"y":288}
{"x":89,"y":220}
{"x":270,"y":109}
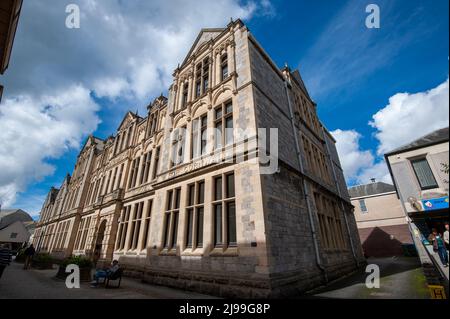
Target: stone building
{"x":382,"y":224}
{"x":186,"y":197}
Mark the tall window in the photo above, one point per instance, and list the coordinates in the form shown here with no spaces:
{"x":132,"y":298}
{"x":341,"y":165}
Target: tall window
{"x":223,"y":125}
{"x":199,"y":136}
{"x":123,"y":227}
{"x":362,"y":206}
{"x":134,"y":172}
{"x":148,"y":218}
{"x":202,"y":77}
{"x":156,"y":164}
{"x":198,"y":81}
{"x":330,"y":226}
{"x":224,"y":66}
{"x":424,"y":174}
{"x":178,"y":141}
{"x":145,"y":171}
{"x":194,"y":215}
{"x":205,"y":75}
{"x":136,"y":225}
{"x":113,"y":183}
{"x":224,"y":210}
{"x":171,"y":219}
{"x":185,"y":95}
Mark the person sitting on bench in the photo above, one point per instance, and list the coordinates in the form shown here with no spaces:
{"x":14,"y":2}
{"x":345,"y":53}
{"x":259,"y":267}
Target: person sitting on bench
{"x":105,"y":273}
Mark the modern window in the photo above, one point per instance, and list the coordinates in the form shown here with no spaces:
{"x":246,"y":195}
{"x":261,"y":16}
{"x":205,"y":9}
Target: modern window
{"x":362,"y":206}
{"x":223,"y":125}
{"x":171,"y":219}
{"x":224,"y":211}
{"x":424,"y":174}
{"x":199,"y":136}
{"x":194,"y":215}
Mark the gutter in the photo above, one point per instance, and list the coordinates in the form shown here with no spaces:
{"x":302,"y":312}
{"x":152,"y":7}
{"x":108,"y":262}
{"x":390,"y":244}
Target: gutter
{"x":305,"y":186}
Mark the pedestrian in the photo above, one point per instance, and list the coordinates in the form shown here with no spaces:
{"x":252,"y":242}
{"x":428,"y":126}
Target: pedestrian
{"x":5,"y":258}
{"x":446,"y":236}
{"x":438,"y":246}
{"x":29,"y":254}
{"x":105,"y":273}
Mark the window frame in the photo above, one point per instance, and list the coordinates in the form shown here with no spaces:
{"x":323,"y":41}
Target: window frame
{"x":419,"y":159}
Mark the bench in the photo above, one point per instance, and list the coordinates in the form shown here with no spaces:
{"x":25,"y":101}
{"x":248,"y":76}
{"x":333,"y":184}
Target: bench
{"x":113,"y":277}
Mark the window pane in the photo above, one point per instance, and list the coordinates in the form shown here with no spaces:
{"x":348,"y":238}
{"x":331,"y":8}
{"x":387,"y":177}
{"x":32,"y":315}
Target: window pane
{"x":218,"y":135}
{"x":204,"y":121}
{"x":190,"y":216}
{"x":362,"y":205}
{"x":218,"y":224}
{"x":169,"y":200}
{"x":218,"y":113}
{"x":199,"y":227}
{"x":175,"y":230}
{"x":231,"y":220}
{"x":218,"y":188}
{"x":177,"y":198}
{"x":166,"y":230}
{"x":191,"y":195}
{"x":229,"y":108}
{"x":230,"y":186}
{"x":204,"y":140}
{"x":424,"y":174}
{"x":229,"y":130}
{"x":201,"y":193}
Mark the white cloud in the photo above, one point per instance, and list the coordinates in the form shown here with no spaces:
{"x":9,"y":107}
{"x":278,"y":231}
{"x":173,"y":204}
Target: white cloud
{"x":32,"y":131}
{"x":359,"y":165}
{"x":406,"y":118}
{"x":410,"y":116}
{"x":125,"y":49}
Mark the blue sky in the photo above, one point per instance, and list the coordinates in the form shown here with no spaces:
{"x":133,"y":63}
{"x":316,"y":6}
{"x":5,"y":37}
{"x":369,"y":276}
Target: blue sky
{"x":352,"y":73}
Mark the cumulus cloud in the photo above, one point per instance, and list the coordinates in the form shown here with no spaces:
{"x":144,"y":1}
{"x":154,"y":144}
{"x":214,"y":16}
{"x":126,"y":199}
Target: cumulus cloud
{"x":359,"y":165}
{"x":36,"y":130}
{"x":410,"y":116}
{"x":407,"y":117}
{"x":124,"y":49}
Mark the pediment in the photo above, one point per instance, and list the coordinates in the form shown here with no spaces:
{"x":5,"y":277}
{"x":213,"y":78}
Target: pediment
{"x":204,"y":36}
{"x":129,"y":117}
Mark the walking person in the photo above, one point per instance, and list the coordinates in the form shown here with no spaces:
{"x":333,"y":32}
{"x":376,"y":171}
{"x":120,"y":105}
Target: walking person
{"x":5,"y":258}
{"x":446,"y":237}
{"x":29,"y":254}
{"x":439,"y":246}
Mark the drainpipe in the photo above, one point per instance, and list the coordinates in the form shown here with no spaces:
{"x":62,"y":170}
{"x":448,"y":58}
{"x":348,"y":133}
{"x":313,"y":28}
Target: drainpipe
{"x":342,"y":204}
{"x":305,"y":186}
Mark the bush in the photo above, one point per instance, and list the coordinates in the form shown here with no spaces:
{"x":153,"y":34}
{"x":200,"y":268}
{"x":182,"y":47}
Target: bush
{"x":81,"y":261}
{"x":20,"y":257}
{"x":43,"y":258}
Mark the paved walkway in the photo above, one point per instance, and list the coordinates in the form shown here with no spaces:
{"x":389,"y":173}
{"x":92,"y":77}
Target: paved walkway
{"x":17,"y":283}
{"x":400,"y":278}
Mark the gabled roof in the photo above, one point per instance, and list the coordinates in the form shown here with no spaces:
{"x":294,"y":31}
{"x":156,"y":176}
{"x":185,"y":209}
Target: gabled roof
{"x":298,"y":78}
{"x":159,"y":102}
{"x":436,"y":137}
{"x":204,"y":36}
{"x":370,"y":189}
{"x":10,"y":216}
{"x":91,"y":140}
{"x":126,"y":119}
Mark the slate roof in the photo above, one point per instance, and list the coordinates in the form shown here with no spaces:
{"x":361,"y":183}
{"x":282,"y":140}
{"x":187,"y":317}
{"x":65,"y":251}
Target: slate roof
{"x":10,"y":216}
{"x":370,"y":189}
{"x":435,"y":137}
